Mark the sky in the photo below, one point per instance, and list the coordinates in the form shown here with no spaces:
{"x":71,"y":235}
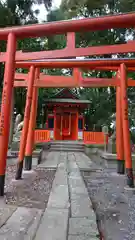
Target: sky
{"x":43,"y":12}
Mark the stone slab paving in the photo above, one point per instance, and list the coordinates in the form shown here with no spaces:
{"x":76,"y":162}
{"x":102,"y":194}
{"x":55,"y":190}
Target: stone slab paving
{"x":51,"y":161}
{"x":82,"y":221}
{"x":59,"y":197}
{"x":54,"y":225}
{"x":20,"y":224}
{"x":80,"y":237}
{"x":80,"y":206}
{"x":83,"y":162}
{"x":82,"y":227}
{"x":5,"y":212}
{"x":69,"y":214}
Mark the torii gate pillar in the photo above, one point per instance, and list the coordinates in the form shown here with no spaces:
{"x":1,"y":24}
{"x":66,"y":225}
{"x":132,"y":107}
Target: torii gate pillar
{"x":6,"y":106}
{"x":26,"y":124}
{"x":119,"y":134}
{"x":125,"y":121}
{"x":32,"y":123}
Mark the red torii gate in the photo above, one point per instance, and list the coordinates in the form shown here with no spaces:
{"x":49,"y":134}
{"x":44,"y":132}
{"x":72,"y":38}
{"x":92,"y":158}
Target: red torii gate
{"x":12,"y":34}
{"x":79,"y":81}
{"x":54,"y":81}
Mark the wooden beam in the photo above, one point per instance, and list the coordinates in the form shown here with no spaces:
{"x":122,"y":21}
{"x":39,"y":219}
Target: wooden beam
{"x":75,"y":52}
{"x":20,"y":83}
{"x":61,"y":27}
{"x":74,"y":63}
{"x":62,"y":81}
{"x":21,"y":76}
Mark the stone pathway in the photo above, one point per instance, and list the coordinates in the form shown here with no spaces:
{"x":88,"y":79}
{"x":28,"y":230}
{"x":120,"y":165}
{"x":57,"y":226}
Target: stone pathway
{"x":17,"y":223}
{"x":69,"y":214}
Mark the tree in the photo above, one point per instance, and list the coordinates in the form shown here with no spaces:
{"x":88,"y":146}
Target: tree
{"x":102,"y":100}
{"x":21,"y":10}
{"x":18,"y":12}
{"x":86,"y":8}
{"x":47,"y":3}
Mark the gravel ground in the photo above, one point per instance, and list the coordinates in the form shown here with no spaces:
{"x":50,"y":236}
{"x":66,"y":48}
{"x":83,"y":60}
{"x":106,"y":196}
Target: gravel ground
{"x":31,"y":191}
{"x":114,"y":207}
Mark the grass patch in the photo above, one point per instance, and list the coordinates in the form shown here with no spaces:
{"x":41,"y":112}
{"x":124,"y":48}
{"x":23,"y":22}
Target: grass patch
{"x":114,"y":148}
{"x":100,"y":146}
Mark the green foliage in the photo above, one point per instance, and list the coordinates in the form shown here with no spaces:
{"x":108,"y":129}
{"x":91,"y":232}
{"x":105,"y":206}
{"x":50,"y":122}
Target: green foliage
{"x":88,"y":8}
{"x":99,"y":146}
{"x":102,"y":100}
{"x":20,"y":12}
{"x":101,"y":108}
{"x":58,"y":41}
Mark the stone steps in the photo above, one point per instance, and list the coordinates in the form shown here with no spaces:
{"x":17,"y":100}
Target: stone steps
{"x":67,"y":149}
{"x":67,"y":146}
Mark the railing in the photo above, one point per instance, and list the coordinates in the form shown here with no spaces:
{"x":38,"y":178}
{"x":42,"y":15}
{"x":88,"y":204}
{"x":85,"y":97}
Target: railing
{"x":94,"y":138}
{"x":42,"y":136}
{"x":88,"y":137}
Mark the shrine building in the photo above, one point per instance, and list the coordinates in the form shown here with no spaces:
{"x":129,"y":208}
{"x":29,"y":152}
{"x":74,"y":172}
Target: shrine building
{"x":65,"y":115}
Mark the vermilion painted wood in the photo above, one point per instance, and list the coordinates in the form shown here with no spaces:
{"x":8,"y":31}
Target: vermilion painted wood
{"x":26,"y":114}
{"x":94,"y":138}
{"x":21,"y":76}
{"x":88,"y":137}
{"x":125,"y":121}
{"x":32,"y":121}
{"x":78,"y":52}
{"x":62,"y":81}
{"x":125,"y":124}
{"x":129,"y":47}
{"x":84,"y":64}
{"x":61,"y":27}
{"x":42,"y":136}
{"x":6,"y":105}
{"x":119,"y":128}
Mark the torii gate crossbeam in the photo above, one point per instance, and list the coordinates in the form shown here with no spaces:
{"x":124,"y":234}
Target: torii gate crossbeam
{"x":77,"y":63}
{"x":61,"y":27}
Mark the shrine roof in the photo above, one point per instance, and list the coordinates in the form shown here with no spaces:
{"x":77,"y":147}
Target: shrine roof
{"x":66,"y":93}
{"x":66,"y":100}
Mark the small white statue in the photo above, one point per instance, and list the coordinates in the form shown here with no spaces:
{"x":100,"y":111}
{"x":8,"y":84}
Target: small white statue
{"x":19,"y":127}
{"x":17,"y":121}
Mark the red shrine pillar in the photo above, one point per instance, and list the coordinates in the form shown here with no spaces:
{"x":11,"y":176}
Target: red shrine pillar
{"x":125,"y":121}
{"x":54,"y":129}
{"x":6,"y":106}
{"x":32,"y":123}
{"x":26,"y":123}
{"x":119,"y":134}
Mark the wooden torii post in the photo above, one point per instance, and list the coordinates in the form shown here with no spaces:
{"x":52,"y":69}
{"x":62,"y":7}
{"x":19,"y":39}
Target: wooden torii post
{"x":32,"y":124}
{"x":119,"y":131}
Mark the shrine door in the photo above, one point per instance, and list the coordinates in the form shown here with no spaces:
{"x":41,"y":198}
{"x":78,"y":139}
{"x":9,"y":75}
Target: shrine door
{"x":66,"y":127}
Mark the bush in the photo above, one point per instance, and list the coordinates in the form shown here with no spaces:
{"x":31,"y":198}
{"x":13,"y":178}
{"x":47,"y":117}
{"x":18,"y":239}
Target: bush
{"x":101,"y":146}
